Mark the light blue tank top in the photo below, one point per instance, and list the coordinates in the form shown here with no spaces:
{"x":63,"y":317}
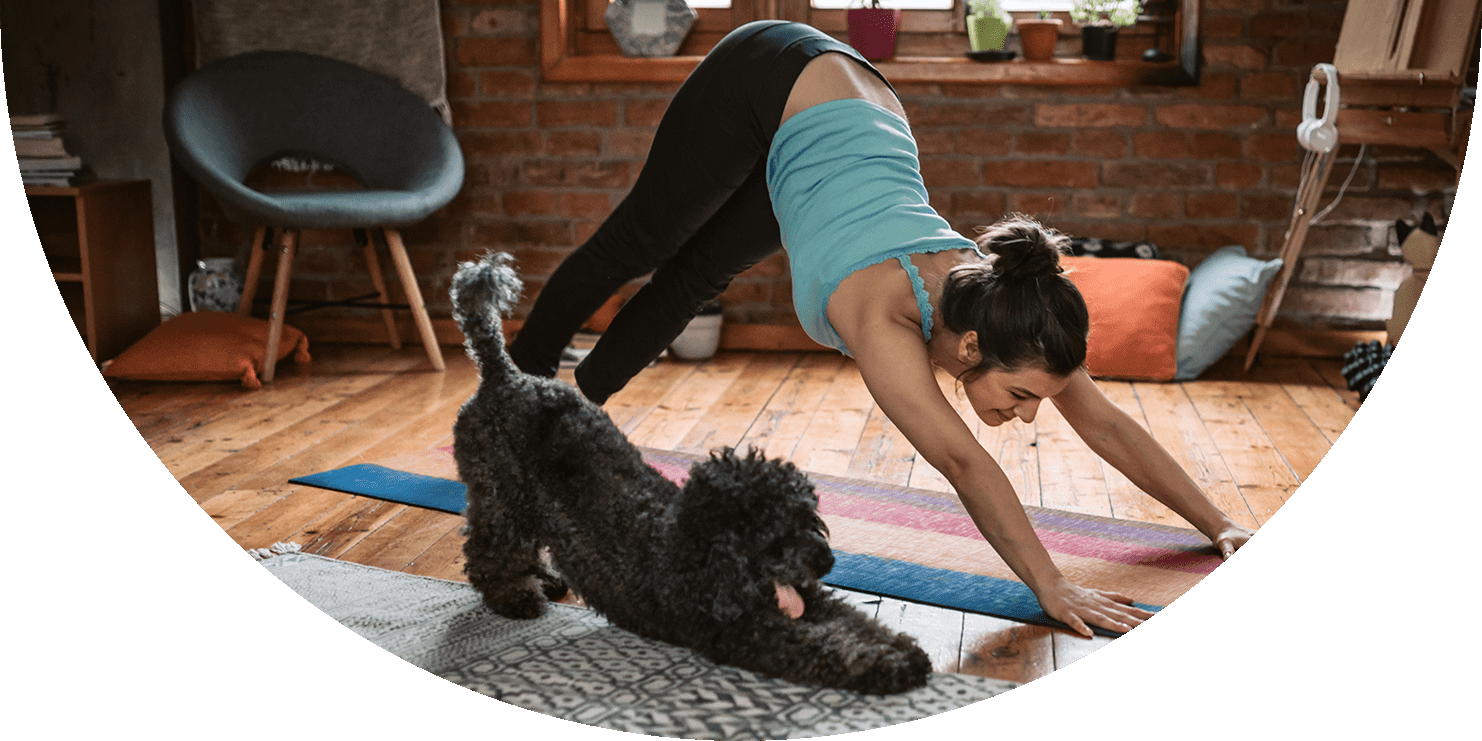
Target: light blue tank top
{"x":845,"y":181}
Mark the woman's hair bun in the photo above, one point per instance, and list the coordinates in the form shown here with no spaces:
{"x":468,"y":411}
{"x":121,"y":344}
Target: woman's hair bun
{"x":1024,"y":249}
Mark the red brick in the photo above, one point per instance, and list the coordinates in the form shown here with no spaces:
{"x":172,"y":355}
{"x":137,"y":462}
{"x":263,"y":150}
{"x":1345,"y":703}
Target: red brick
{"x":1114,"y":231}
{"x":461,"y":84}
{"x":644,"y":112}
{"x":1271,"y":208}
{"x":537,"y":262}
{"x":1212,"y":86}
{"x":746,"y":292}
{"x":1089,"y":114}
{"x":984,"y":142}
{"x":976,"y":113}
{"x":1155,"y":174}
{"x":1284,"y":23}
{"x":1040,"y":174}
{"x":1212,"y":205}
{"x":1241,"y":5}
{"x":1303,"y":52}
{"x":1099,"y":143}
{"x":1224,"y":26}
{"x":1285,"y":176}
{"x":499,"y":142}
{"x":599,"y":174}
{"x":979,"y":202}
{"x":478,"y":52}
{"x":1157,"y":205}
{"x":1036,"y":204}
{"x":771,"y":266}
{"x":935,"y":141}
{"x":1039,"y":142}
{"x":501,"y":21}
{"x":529,"y":203}
{"x":568,"y":143}
{"x":492,"y":113}
{"x":543,"y":172}
{"x":1237,"y":55}
{"x":1210,"y":145}
{"x":1338,"y":239}
{"x":1182,"y":236}
{"x":1278,"y":147}
{"x":1268,"y":85}
{"x":1355,"y":207}
{"x":1093,"y":206}
{"x":1415,"y":178}
{"x":627,"y":143}
{"x":1198,"y":116}
{"x":553,"y":113}
{"x":1161,"y":145}
{"x":507,"y":83}
{"x":585,"y":205}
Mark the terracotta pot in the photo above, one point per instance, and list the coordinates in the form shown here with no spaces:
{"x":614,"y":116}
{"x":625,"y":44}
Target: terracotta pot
{"x":872,"y":31}
{"x":1038,"y":35}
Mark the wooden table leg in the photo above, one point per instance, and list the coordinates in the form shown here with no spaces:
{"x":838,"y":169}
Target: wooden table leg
{"x":280,"y":304}
{"x":414,"y":297}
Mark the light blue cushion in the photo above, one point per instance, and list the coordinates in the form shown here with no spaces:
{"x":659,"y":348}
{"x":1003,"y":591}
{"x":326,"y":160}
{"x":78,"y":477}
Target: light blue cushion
{"x":1224,"y":294}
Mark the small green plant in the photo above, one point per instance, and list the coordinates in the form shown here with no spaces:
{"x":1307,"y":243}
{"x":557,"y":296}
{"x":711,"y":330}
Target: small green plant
{"x":1105,"y":12}
{"x":1045,"y":15}
{"x":988,"y":8}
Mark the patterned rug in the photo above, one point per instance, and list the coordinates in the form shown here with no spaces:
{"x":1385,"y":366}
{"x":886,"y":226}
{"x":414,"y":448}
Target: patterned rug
{"x":896,"y":541}
{"x":571,"y":664}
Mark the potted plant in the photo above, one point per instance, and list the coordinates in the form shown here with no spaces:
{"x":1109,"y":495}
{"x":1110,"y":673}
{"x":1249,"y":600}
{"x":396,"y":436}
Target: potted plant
{"x":872,"y":30}
{"x":1039,"y":35}
{"x":987,"y":25}
{"x":1099,"y":21}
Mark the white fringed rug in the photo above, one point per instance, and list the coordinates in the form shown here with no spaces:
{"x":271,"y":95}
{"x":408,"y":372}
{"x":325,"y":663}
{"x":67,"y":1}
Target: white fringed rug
{"x":572,"y":664}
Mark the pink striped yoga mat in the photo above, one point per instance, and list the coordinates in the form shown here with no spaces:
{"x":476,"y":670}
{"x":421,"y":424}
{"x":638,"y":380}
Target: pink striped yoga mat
{"x":909,"y":543}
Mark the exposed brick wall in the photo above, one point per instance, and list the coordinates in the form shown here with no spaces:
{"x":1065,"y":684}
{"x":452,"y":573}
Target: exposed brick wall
{"x":1191,"y":169}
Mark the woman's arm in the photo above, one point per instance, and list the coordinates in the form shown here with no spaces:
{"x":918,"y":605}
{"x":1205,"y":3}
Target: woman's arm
{"x":1129,"y":448}
{"x":898,"y":373}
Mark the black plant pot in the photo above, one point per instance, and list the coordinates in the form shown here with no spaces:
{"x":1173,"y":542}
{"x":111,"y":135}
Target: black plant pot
{"x":1099,"y":42}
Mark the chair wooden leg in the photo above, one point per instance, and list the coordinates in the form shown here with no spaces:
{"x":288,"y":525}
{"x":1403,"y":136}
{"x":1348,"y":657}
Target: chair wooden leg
{"x":374,"y":266}
{"x":414,"y":297}
{"x":280,"y":304}
{"x":254,"y":270}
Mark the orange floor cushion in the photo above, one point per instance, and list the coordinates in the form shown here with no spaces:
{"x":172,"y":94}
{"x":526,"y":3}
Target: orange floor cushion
{"x":206,"y":346}
{"x":1134,"y":307}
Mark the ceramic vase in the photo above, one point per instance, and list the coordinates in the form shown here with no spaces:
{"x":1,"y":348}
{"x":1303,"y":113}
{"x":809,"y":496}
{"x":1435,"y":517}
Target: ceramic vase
{"x":649,"y":28}
{"x":215,"y":285}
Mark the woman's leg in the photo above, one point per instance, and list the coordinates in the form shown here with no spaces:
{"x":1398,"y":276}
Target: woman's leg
{"x":738,"y":236}
{"x":705,"y":147}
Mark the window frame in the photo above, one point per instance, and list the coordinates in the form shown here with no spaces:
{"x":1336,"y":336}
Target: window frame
{"x":568,"y":55}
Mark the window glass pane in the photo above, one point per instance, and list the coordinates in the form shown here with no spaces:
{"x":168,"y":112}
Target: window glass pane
{"x":1025,"y":5}
{"x":903,"y":4}
{"x":709,"y":3}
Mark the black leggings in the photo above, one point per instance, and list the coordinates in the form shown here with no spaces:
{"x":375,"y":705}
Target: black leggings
{"x":698,"y":215}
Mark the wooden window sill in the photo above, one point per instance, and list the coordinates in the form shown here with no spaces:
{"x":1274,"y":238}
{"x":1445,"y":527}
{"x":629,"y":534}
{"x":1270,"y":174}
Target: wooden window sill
{"x":562,"y":61}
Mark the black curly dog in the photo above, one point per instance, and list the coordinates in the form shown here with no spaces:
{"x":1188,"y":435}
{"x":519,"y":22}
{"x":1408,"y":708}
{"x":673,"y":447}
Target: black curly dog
{"x":697,"y":566}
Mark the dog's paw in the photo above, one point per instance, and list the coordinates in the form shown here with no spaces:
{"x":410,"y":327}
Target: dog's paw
{"x":891,"y":669}
{"x":523,"y":604}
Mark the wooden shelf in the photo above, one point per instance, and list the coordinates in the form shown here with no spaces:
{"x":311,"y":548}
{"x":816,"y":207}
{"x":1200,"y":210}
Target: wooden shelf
{"x":99,"y":240}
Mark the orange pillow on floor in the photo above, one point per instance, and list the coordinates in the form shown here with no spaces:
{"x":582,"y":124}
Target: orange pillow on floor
{"x":206,"y":346}
{"x":1134,"y":306}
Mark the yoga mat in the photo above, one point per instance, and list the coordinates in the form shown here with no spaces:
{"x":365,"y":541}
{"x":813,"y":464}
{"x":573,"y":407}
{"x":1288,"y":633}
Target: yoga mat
{"x":895,"y":541}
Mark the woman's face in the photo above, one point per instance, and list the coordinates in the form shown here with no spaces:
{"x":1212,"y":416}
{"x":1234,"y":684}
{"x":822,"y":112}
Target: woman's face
{"x":998,"y":396}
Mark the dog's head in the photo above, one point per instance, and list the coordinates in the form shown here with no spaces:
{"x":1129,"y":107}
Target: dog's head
{"x":748,"y":523}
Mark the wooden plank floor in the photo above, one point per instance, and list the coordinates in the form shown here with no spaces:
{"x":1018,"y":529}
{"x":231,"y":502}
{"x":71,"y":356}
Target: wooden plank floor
{"x":1249,"y":439}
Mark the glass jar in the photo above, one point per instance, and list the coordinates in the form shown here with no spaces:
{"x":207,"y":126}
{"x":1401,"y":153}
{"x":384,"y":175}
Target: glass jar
{"x":215,"y":285}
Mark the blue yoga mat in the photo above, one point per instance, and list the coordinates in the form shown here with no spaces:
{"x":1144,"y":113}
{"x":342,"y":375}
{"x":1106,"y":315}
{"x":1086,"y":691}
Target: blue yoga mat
{"x":887,"y":577}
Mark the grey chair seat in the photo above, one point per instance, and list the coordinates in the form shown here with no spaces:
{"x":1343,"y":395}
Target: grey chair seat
{"x":236,"y":114}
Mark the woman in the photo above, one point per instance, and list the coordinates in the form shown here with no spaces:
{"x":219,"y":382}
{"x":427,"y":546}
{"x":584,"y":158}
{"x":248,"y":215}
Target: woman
{"x":785,"y":136}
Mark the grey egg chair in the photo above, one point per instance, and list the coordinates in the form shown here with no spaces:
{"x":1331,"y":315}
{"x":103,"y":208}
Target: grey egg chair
{"x":235,"y":114}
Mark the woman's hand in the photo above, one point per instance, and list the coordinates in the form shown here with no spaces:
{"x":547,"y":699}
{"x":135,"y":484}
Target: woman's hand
{"x":1080,"y":608}
{"x":1229,"y":538}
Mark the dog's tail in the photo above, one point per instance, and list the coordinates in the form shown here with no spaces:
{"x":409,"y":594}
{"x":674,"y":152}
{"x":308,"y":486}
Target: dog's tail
{"x":482,"y":292}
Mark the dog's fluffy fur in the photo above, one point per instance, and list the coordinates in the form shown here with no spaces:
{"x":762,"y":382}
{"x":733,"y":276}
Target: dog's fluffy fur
{"x":695,"y":566}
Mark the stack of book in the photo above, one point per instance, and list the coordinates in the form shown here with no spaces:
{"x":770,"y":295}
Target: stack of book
{"x":42,"y":153}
